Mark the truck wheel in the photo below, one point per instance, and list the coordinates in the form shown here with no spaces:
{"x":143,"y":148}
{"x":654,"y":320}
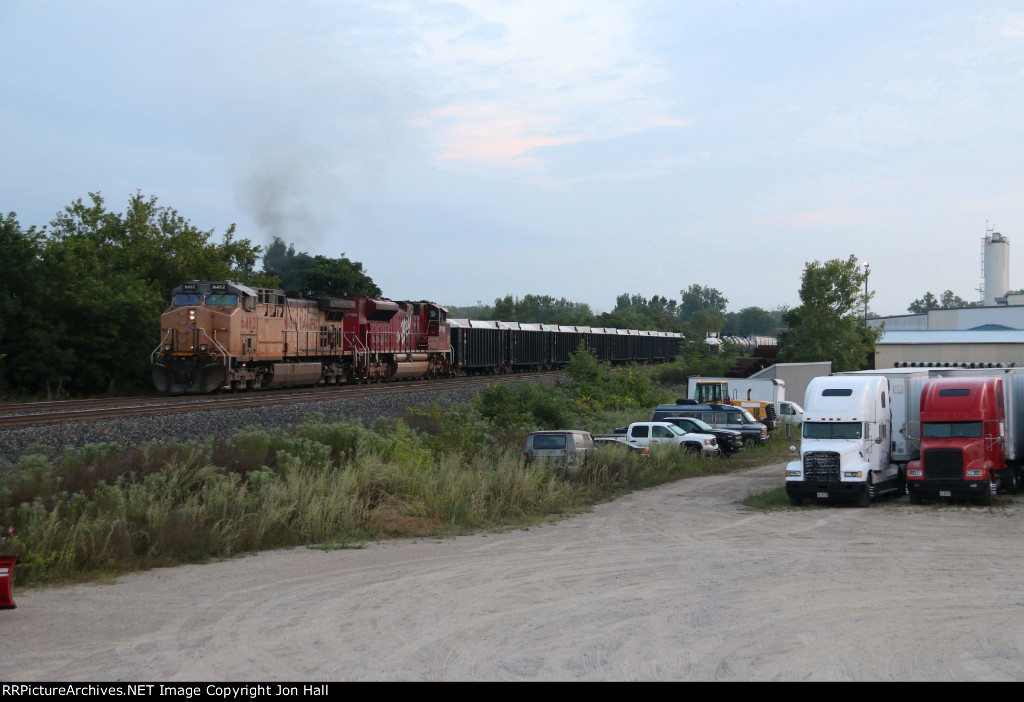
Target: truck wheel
{"x":1014,"y":482}
{"x":986,"y":496}
{"x":749,"y":441}
{"x":864,"y":498}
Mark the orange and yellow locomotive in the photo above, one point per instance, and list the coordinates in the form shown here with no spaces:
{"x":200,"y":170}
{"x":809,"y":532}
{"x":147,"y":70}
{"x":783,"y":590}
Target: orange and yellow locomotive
{"x":221,"y":335}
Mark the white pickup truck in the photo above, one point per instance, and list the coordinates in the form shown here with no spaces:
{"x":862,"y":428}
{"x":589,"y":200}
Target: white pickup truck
{"x":651,"y":433}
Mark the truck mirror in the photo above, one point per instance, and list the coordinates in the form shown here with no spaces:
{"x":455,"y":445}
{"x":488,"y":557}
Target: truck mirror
{"x":792,"y":449}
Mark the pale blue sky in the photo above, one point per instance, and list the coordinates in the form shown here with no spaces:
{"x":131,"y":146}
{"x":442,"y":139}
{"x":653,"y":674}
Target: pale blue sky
{"x":577,"y":148}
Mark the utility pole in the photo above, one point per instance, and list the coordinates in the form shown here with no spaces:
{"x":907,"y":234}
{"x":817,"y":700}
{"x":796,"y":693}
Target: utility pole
{"x":867,"y":271}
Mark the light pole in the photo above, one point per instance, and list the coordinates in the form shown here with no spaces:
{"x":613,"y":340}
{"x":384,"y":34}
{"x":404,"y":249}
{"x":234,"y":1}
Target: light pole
{"x":867,"y":271}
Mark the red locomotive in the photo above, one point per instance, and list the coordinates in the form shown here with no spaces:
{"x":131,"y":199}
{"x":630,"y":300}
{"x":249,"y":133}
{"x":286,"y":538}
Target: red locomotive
{"x":223,"y":335}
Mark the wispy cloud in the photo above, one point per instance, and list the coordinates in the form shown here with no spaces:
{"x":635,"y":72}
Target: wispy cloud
{"x":516,"y":75}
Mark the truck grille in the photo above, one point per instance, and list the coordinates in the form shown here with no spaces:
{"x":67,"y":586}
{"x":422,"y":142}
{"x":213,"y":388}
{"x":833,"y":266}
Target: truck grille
{"x":943,"y":464}
{"x":821,"y":465}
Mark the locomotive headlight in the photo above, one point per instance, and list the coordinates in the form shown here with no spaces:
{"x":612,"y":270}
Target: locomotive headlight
{"x":191,"y":315}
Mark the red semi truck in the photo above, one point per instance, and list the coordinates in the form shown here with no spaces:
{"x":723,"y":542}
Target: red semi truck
{"x":971,"y":438}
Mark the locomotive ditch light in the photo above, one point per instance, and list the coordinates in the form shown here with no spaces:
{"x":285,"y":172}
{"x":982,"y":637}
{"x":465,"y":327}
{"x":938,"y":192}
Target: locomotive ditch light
{"x":202,"y":348}
{"x":167,"y":347}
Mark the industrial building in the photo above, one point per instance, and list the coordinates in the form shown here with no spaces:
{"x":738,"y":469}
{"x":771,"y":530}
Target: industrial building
{"x":992,"y":334}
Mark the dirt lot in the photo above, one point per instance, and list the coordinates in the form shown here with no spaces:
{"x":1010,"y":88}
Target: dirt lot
{"x":676,"y":583}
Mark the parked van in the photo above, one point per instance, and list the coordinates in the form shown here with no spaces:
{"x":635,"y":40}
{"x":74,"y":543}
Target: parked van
{"x":569,"y":447}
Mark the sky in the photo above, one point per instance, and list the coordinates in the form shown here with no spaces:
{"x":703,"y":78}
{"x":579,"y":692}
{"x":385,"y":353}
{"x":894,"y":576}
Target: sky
{"x":468,"y":150}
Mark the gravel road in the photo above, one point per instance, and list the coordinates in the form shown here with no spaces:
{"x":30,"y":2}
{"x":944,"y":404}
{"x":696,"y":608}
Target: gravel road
{"x":675,"y":583}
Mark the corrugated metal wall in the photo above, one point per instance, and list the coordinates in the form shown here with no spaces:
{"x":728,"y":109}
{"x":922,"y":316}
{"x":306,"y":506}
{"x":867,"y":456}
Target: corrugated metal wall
{"x":797,"y":376}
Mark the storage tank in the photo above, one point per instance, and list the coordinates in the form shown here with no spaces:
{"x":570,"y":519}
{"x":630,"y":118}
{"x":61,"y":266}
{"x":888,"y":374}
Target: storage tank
{"x":997,"y":268}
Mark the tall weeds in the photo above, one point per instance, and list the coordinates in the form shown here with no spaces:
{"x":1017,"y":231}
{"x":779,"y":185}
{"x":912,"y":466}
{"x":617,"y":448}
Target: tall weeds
{"x":439,"y":470}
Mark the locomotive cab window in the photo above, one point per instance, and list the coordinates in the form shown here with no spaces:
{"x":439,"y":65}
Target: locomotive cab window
{"x":222,"y":300}
{"x":186,"y":299}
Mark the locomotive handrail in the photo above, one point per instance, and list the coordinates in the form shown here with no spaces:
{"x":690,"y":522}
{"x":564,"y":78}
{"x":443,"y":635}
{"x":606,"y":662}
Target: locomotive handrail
{"x":223,"y":351}
{"x":159,"y":347}
{"x":212,"y":339}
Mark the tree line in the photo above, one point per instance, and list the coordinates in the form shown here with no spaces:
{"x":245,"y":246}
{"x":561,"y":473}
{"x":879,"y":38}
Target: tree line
{"x":81,"y":298}
{"x":700,"y":309}
{"x":830,"y":324}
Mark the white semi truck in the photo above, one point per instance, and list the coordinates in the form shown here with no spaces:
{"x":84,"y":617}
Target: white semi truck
{"x":847,"y":446}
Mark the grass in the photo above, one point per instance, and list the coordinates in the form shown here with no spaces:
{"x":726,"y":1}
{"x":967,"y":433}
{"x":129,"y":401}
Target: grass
{"x":775,"y":498}
{"x":101,"y":510}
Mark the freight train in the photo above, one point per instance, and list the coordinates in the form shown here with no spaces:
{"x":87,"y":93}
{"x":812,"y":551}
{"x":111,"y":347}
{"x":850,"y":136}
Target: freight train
{"x":222,"y":335}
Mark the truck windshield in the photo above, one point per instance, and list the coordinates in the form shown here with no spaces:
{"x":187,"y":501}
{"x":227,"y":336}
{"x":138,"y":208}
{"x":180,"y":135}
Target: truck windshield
{"x":951,"y":430}
{"x":833,"y":430}
{"x":741,"y":417}
{"x":702,"y":425}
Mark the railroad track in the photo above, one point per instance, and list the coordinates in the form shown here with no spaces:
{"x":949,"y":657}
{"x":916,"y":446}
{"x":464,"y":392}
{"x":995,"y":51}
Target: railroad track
{"x":29,"y":414}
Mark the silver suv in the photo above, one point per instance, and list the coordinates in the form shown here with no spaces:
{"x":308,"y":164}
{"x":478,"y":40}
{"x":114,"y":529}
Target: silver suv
{"x":569,"y":447}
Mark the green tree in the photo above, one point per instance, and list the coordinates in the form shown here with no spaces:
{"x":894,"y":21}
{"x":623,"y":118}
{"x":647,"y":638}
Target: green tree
{"x":477,"y":311}
{"x":828,"y":325}
{"x":339,"y":276}
{"x":706,"y":320}
{"x":316,"y":275}
{"x":637,"y":312}
{"x":700,"y":297}
{"x":29,"y":352}
{"x":541,"y":309}
{"x":948,"y":301}
{"x":110,"y":275}
{"x":750,"y":321}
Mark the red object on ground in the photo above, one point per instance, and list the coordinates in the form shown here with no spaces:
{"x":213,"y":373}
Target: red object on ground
{"x":6,"y":574}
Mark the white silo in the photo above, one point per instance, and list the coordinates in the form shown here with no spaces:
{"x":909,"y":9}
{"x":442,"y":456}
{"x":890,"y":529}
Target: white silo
{"x":997,"y":268}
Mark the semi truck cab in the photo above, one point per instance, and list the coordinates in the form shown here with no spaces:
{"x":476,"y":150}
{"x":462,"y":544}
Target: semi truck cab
{"x":963,"y":441}
{"x":845,"y":452}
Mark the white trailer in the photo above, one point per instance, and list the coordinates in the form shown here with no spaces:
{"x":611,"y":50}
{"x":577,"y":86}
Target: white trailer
{"x":905,"y":386}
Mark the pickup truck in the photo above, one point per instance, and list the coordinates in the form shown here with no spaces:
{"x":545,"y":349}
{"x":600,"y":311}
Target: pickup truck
{"x":651,"y":433}
{"x":717,"y":415}
{"x":729,"y":440}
